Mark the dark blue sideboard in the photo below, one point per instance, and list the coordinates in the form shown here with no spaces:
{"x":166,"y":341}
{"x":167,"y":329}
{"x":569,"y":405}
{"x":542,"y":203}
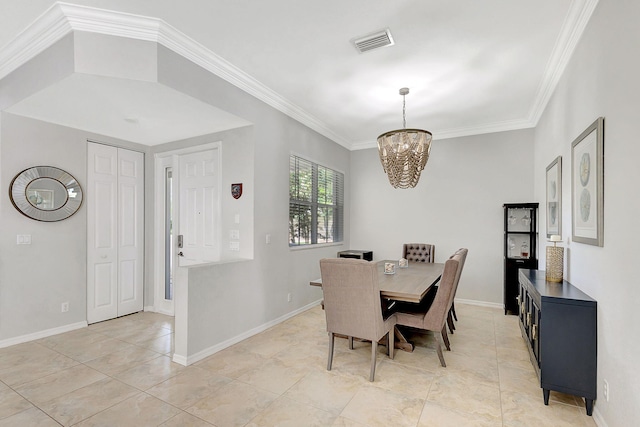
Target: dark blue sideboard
{"x":559,"y":323}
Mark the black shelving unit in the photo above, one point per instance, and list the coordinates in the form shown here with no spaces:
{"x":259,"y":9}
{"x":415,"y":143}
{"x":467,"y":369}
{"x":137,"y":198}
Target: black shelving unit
{"x":520,"y":248}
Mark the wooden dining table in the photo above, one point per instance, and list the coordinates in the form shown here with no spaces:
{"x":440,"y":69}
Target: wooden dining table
{"x":409,"y":284}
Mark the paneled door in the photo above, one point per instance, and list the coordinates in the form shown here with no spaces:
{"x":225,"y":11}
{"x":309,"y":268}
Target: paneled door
{"x":115,"y":232}
{"x":199,"y":207}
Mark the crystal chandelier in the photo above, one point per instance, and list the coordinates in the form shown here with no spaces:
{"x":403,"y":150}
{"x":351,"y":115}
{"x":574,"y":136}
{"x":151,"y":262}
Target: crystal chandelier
{"x":404,"y":152}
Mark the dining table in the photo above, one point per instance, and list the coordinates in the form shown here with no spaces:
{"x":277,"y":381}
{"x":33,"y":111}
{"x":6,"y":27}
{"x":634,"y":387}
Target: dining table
{"x":406,"y":284}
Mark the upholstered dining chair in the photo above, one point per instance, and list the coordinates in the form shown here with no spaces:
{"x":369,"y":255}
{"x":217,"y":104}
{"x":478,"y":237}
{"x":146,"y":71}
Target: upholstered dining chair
{"x":352,"y":305}
{"x":452,"y":312}
{"x":432,"y":314}
{"x":419,"y":252}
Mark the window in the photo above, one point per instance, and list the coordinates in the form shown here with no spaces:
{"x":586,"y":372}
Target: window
{"x":316,"y":203}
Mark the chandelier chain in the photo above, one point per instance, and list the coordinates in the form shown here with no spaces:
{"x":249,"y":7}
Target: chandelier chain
{"x":404,"y":112}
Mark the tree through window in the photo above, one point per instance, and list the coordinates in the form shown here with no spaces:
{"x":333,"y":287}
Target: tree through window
{"x":316,"y":203}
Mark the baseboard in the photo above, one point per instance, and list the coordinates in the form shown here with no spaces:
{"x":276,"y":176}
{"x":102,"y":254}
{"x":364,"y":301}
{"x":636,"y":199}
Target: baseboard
{"x":479,"y":303}
{"x":189,"y":360}
{"x":149,"y":308}
{"x":180,"y":360}
{"x":597,"y":417}
{"x":42,"y":334}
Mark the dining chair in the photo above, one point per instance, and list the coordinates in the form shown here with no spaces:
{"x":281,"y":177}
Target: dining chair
{"x":419,"y":252}
{"x":352,"y":305}
{"x":432,"y":314}
{"x":452,"y":312}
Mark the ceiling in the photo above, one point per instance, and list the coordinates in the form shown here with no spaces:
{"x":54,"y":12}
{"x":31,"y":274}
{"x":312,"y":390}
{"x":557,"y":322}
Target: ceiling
{"x":472,"y":66}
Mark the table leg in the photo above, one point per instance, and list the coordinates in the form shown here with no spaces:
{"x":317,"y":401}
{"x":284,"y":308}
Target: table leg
{"x":401,"y":341}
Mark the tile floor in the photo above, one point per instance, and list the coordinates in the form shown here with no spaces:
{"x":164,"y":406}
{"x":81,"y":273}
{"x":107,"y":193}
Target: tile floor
{"x":119,"y":373}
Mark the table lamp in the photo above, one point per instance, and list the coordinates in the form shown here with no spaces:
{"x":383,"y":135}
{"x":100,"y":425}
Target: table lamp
{"x":555,"y":260}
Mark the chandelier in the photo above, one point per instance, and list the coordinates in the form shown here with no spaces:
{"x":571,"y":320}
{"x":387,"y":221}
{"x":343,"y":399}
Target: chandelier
{"x":404,"y":152}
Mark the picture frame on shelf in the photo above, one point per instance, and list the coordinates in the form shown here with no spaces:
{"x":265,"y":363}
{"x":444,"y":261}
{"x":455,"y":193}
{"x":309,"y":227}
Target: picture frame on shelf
{"x":554,"y":197}
{"x":587,"y":185}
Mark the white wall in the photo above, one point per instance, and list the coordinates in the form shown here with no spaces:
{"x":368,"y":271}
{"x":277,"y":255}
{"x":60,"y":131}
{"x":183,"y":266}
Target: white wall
{"x":457,"y":203}
{"x":602,"y":80}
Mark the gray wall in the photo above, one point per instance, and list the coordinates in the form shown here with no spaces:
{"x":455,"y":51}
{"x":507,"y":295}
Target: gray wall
{"x":602,"y":80}
{"x":457,"y":203}
{"x":36,"y":279}
{"x":228,"y":300}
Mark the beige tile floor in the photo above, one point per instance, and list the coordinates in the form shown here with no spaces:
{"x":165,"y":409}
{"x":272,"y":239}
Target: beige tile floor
{"x":119,"y":373}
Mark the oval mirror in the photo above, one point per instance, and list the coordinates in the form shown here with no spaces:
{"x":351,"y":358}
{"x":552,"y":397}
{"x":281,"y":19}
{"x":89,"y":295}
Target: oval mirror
{"x":45,"y":193}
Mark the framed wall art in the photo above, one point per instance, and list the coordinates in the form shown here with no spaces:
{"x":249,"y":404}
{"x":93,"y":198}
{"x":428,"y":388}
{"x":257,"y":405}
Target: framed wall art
{"x":554,"y":197}
{"x":587,"y":185}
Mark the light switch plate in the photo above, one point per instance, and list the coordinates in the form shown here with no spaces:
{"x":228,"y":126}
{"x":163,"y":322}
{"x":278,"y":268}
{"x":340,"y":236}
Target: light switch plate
{"x":24,"y":239}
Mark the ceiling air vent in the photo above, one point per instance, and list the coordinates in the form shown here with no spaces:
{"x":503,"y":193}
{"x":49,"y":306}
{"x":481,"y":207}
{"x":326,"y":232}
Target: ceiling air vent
{"x":374,"y":41}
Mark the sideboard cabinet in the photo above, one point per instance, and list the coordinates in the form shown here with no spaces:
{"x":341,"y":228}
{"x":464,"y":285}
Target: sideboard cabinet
{"x":558,"y":321}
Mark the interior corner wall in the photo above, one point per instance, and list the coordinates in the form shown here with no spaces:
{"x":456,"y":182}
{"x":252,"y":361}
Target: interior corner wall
{"x":232,"y":299}
{"x":457,"y":203}
{"x":601,"y":79}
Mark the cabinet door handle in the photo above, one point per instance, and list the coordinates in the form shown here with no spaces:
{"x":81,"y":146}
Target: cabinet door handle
{"x":518,"y":299}
{"x":528,"y":319}
{"x":534,"y":332}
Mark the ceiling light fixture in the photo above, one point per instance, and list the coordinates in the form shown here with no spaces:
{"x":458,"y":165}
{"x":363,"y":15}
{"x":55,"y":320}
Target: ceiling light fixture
{"x":404,"y":152}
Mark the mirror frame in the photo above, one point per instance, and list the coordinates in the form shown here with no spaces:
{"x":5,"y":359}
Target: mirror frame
{"x":18,"y":193}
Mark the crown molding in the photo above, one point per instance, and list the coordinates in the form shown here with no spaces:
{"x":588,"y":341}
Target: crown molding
{"x":63,"y":18}
{"x":462,"y":132}
{"x":573,"y":27}
{"x":47,"y":29}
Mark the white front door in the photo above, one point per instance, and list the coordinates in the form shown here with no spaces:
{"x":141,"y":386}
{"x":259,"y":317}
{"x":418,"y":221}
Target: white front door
{"x":199,"y":207}
{"x":115,"y":223}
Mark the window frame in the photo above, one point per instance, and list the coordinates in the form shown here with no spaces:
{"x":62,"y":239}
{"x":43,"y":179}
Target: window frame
{"x":335,"y":221}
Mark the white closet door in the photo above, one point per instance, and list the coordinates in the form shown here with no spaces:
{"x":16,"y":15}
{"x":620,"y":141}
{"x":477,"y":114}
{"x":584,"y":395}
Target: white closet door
{"x":102,"y":236}
{"x":130,"y":231}
{"x":115,"y":224}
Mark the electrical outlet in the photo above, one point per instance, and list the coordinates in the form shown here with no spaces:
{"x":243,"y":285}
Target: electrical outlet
{"x":606,"y":390}
{"x":289,"y":297}
{"x":64,"y":307}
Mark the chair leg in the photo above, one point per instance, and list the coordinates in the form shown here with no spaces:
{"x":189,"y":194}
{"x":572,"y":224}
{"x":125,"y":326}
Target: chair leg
{"x":350,"y":339}
{"x":450,"y":322}
{"x":439,"y":350}
{"x":453,"y":311}
{"x":445,"y":338}
{"x":391,"y":344}
{"x":330,"y":360}
{"x":374,"y":351}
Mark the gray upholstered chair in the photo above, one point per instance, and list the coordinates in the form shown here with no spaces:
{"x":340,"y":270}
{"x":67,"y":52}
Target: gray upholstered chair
{"x":432,"y":315}
{"x":352,"y":305}
{"x":463,"y":256}
{"x":419,"y":252}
